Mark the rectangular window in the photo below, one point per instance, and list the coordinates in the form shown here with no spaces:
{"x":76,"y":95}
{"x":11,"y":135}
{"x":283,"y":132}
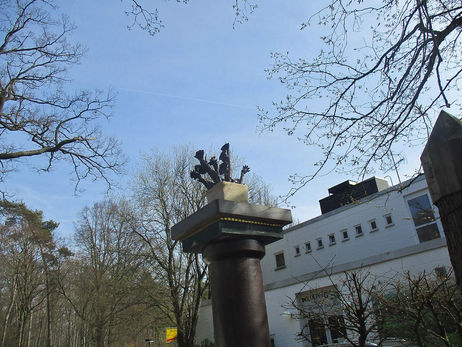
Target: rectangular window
{"x":317,"y":332}
{"x":428,"y":232}
{"x":345,"y":235}
{"x":421,"y":210}
{"x":359,"y":230}
{"x":373,"y":225}
{"x":424,"y":218}
{"x":320,"y":245}
{"x":337,"y":328}
{"x":388,"y":220}
{"x":297,"y":250}
{"x":307,"y":247}
{"x":280,"y":261}
{"x":331,"y":239}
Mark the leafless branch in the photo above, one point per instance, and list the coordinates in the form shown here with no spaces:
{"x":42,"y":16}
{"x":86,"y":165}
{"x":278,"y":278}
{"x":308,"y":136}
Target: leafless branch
{"x":37,"y":116}
{"x":357,"y":102}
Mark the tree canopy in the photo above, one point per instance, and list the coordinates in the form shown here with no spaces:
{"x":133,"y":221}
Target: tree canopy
{"x":39,"y":116}
{"x":384,"y":68}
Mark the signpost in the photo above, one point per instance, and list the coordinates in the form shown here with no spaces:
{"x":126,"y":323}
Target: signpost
{"x":171,"y":335}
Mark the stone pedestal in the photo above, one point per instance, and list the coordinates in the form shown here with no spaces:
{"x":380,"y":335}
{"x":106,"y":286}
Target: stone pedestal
{"x":442,"y":164}
{"x":232,"y":237}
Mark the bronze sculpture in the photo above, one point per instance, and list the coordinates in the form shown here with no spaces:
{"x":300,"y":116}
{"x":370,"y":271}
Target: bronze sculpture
{"x":217,"y":173}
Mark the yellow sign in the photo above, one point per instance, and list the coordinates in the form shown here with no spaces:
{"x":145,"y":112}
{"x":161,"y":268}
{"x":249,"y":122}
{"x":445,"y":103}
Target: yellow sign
{"x":171,"y":334}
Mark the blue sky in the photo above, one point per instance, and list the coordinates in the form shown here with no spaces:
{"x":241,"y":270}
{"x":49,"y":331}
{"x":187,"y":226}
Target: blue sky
{"x":197,"y":82}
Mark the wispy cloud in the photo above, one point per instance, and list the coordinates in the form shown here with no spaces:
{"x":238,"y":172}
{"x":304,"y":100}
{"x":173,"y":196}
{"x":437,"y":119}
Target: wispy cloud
{"x":186,"y":98}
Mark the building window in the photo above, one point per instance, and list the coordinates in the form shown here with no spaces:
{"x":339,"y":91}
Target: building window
{"x":297,"y":250}
{"x":317,"y":331}
{"x":388,"y":220}
{"x":373,"y":225}
{"x":359,"y":230}
{"x":331,"y":239}
{"x":337,"y":328}
{"x":280,"y":261}
{"x":441,"y":272}
{"x":307,"y":247}
{"x":424,"y":218}
{"x":320,"y":245}
{"x":345,"y":235}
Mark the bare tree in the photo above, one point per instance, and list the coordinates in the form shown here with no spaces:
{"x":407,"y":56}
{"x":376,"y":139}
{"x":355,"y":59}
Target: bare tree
{"x":165,"y":194}
{"x":260,"y":192}
{"x":107,"y":276}
{"x":38,"y":118}
{"x":146,"y":17}
{"x":31,"y":258}
{"x":425,"y":308}
{"x":23,"y":284}
{"x":346,"y":308}
{"x":384,"y":67}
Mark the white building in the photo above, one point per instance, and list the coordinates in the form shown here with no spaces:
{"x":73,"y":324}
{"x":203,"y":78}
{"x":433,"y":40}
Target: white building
{"x":366,"y":225}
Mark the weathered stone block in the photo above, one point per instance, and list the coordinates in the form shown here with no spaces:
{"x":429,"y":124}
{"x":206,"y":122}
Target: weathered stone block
{"x":228,"y":191}
{"x":442,"y":157}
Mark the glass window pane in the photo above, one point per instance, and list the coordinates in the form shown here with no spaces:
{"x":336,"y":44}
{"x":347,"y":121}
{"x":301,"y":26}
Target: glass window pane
{"x":428,"y":232}
{"x":317,"y":332}
{"x":280,"y":262}
{"x":389,"y":219}
{"x":337,"y":328}
{"x":421,"y":210}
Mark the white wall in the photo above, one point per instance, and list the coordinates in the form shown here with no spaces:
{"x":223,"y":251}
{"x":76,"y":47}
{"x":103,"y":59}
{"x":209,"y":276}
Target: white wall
{"x":285,"y":329}
{"x":400,"y":234}
{"x":204,"y":329}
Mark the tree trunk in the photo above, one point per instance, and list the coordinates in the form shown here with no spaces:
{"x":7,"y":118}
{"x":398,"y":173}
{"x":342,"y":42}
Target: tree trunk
{"x":99,"y":336}
{"x":29,"y":332}
{"x":21,"y":323}
{"x":37,"y":343}
{"x":417,"y":334}
{"x":48,"y":289}
{"x":8,"y":313}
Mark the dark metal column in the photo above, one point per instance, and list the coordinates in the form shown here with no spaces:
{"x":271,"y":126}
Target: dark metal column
{"x":238,"y":298}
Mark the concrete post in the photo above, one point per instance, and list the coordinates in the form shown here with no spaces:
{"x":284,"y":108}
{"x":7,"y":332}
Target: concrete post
{"x":442,"y":164}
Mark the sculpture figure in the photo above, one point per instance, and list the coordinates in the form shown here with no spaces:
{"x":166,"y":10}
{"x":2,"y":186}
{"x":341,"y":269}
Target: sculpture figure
{"x":217,"y":173}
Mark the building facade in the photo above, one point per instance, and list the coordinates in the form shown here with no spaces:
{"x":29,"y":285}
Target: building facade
{"x":366,"y":225}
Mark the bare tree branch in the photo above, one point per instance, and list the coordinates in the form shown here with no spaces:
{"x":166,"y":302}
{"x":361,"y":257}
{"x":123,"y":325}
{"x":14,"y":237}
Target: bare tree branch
{"x":146,"y":17}
{"x":37,"y":116}
{"x":357,"y":101}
